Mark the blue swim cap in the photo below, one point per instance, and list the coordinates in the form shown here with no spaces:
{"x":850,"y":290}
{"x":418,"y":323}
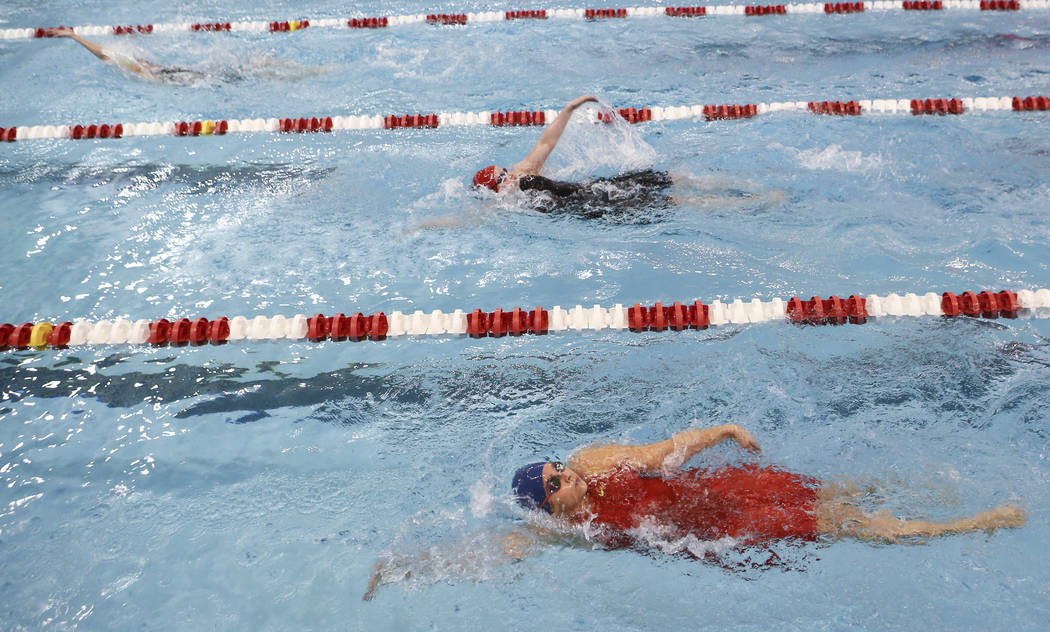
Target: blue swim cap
{"x":528,"y":486}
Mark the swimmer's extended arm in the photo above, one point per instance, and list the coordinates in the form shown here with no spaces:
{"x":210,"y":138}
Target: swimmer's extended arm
{"x":653,"y":457}
{"x":532,"y":163}
{"x":96,"y":50}
{"x":65,"y":31}
{"x":435,"y":563}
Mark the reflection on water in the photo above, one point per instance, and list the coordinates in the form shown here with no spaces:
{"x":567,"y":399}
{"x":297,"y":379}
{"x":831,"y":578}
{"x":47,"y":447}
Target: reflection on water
{"x":207,"y":178}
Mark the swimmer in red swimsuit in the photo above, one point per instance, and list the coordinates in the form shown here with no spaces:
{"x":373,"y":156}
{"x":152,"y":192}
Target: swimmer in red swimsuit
{"x":617,"y":493}
{"x":620,"y":488}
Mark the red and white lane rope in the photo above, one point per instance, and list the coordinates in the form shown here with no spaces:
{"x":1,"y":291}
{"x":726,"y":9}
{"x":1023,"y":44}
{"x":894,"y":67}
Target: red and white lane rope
{"x":478,"y":323}
{"x":458,"y":19}
{"x":523,"y":118}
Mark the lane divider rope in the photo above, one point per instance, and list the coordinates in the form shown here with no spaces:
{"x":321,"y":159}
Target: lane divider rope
{"x":459,"y":19}
{"x":478,"y":323}
{"x":524,"y":118}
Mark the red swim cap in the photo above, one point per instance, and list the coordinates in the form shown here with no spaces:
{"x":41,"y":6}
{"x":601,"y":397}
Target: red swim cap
{"x":487,"y":178}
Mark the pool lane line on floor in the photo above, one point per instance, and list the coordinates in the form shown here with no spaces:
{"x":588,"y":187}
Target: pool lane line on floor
{"x":478,"y":323}
{"x":460,"y":19}
{"x":525,"y":118}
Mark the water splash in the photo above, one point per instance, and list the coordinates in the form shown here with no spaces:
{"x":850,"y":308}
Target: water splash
{"x":589,"y":147}
{"x":482,"y":500}
{"x":835,"y":158}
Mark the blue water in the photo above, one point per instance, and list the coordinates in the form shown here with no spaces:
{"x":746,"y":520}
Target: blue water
{"x":254,"y":486}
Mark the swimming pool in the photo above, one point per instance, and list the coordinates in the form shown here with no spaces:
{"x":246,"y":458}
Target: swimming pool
{"x":255,"y":485}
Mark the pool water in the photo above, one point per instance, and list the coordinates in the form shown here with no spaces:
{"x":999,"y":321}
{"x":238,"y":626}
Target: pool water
{"x":255,"y":485}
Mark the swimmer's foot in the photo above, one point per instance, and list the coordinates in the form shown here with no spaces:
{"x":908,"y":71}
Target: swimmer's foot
{"x":1002,"y":517}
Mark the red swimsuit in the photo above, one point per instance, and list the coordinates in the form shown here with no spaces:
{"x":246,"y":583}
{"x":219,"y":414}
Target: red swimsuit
{"x":749,"y":504}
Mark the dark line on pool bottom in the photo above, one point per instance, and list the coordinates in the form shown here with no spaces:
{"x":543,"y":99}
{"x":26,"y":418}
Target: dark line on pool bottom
{"x":184,"y":382}
{"x":236,"y":389}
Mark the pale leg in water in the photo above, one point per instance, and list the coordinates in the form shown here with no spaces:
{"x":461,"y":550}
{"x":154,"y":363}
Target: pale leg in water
{"x":266,"y":66}
{"x":721,"y":192}
{"x":838,"y":516}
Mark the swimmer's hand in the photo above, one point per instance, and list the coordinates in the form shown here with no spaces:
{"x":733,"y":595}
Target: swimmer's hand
{"x":578,"y":101}
{"x":61,"y":31}
{"x":744,"y":438}
{"x":373,"y":583}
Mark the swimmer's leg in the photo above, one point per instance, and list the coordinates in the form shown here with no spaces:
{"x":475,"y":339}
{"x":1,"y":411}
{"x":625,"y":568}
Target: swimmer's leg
{"x":840,"y":518}
{"x":443,"y":222}
{"x":273,"y":68}
{"x":747,"y":200}
{"x":708,"y":182}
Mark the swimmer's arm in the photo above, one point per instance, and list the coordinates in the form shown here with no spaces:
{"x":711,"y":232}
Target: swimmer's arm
{"x":65,"y":31}
{"x":654,"y":457}
{"x":516,"y":546}
{"x":95,"y":49}
{"x":381,"y":569}
{"x":532,"y":163}
{"x":447,"y":221}
{"x":519,"y":544}
{"x":373,"y":582}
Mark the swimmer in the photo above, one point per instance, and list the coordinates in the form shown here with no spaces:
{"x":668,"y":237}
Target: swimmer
{"x":588,"y":199}
{"x":619,"y":491}
{"x":638,"y":197}
{"x":141,"y":67}
{"x":158,"y":73}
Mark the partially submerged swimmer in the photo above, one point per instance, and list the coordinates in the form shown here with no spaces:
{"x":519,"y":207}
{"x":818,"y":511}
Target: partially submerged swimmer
{"x":136,"y":65}
{"x":634,"y":197}
{"x":620,"y":493}
{"x":617,"y":488}
{"x":586,"y":199}
{"x":159,"y":73}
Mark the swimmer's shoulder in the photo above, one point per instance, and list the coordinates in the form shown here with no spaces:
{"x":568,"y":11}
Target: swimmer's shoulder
{"x":597,"y":460}
{"x":536,"y":182}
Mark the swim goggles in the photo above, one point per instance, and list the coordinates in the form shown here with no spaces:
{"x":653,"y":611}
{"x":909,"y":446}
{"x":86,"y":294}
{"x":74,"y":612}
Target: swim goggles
{"x":553,"y":484}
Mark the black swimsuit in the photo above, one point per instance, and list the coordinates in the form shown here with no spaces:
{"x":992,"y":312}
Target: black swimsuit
{"x":175,"y":75}
{"x":629,"y":197}
{"x":185,"y":76}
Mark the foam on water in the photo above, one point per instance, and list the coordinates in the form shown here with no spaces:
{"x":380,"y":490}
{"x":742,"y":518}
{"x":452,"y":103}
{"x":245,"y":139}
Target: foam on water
{"x":834,"y":157}
{"x":589,"y":147}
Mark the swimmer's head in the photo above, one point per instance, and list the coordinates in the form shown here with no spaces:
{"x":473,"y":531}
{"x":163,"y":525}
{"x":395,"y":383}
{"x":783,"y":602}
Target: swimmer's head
{"x":491,"y":177}
{"x":549,"y":486}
